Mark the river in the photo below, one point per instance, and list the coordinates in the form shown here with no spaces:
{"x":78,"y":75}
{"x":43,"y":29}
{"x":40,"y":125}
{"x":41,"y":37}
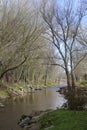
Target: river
{"x":39,"y":100}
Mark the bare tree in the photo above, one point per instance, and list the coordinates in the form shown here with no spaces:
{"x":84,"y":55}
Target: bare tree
{"x":63,"y":22}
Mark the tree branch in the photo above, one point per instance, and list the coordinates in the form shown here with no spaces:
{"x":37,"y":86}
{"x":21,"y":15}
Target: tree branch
{"x":13,"y":68}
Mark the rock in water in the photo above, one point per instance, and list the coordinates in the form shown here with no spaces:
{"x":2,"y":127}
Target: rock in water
{"x":25,"y":120}
{"x":1,"y":105}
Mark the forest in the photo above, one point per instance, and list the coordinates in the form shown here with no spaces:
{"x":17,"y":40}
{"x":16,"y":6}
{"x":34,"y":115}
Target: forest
{"x":43,"y":42}
{"x":43,"y":64}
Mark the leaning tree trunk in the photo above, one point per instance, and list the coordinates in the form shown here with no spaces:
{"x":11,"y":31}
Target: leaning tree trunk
{"x":12,"y":68}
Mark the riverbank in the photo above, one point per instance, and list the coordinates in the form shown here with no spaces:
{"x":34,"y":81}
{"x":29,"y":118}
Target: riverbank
{"x":20,"y":89}
{"x":8,"y":90}
{"x":16,"y":89}
{"x":64,"y":120}
{"x":55,"y":120}
{"x":77,"y":99}
{"x":11,"y":90}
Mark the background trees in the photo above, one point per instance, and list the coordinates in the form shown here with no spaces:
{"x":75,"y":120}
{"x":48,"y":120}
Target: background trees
{"x":19,"y":33}
{"x":33,"y":41}
{"x":22,"y":47}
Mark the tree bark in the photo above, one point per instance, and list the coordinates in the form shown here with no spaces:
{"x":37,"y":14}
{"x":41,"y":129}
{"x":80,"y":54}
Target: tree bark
{"x":72,"y":80}
{"x":68,"y":80}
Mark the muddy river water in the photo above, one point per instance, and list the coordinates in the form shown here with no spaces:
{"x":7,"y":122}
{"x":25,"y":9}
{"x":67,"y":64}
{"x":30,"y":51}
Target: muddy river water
{"x":38,"y":100}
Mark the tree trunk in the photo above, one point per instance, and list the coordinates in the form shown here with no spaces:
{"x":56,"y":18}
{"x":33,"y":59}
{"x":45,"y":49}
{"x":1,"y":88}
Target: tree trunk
{"x":72,"y":80}
{"x":72,"y":73}
{"x":68,"y":80}
{"x":46,"y":73}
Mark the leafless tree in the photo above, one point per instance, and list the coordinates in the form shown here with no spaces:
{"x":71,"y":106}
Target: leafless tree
{"x":63,"y":22}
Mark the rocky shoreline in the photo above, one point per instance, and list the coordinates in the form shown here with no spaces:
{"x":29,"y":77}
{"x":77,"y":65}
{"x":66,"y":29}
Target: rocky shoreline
{"x":32,"y":121}
{"x":10,"y":92}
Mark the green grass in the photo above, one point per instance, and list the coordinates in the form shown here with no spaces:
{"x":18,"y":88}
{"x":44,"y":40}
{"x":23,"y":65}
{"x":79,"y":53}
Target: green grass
{"x":17,"y":87}
{"x":84,"y":83}
{"x":4,"y":92}
{"x":50,"y":83}
{"x":65,"y":120}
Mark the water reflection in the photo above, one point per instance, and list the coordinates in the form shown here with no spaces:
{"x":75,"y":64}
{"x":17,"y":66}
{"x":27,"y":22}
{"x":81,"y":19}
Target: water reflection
{"x":31,"y":98}
{"x":40,"y":100}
